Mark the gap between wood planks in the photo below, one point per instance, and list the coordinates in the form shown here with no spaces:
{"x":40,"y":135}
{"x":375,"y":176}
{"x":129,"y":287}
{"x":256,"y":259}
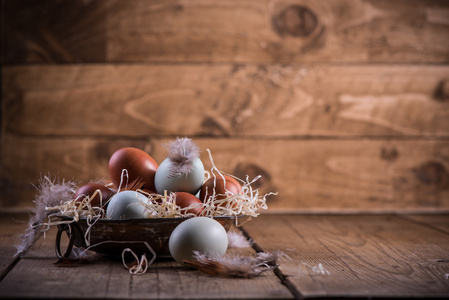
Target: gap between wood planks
{"x":17,"y":259}
{"x":282,"y":277}
{"x":412,"y":219}
{"x":248,"y":137}
{"x":10,"y":267}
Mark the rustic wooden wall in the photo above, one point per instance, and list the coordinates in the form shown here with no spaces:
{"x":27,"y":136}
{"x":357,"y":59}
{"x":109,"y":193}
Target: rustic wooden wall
{"x":341,"y":105}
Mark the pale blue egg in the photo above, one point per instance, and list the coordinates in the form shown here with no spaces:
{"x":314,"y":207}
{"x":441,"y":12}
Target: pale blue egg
{"x":189,"y":183}
{"x":126,"y":205}
{"x":202,"y":234}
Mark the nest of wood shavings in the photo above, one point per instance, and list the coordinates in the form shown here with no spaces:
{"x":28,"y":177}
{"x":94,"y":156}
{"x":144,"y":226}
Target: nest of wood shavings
{"x":248,"y":202}
{"x":74,"y":209}
{"x":164,"y":206}
{"x":67,"y":210}
{"x":245,"y":204}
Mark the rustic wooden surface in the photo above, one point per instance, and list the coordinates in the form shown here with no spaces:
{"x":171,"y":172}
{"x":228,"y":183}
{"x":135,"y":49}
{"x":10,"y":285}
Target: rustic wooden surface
{"x":365,"y":256}
{"x":436,"y":221}
{"x":99,"y":277}
{"x":11,"y":226}
{"x":230,"y":31}
{"x":361,"y":255}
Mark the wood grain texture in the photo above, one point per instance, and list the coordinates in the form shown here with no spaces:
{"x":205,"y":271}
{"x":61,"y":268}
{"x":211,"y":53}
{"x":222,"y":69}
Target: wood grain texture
{"x":226,"y":31}
{"x":99,"y":277}
{"x":331,"y":256}
{"x":53,"y":31}
{"x":24,"y":161}
{"x":309,"y":175}
{"x":437,"y":221}
{"x":226,"y":100}
{"x":364,"y":256}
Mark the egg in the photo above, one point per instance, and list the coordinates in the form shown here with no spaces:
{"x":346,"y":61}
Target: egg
{"x":189,"y":182}
{"x":140,"y":165}
{"x":183,"y":199}
{"x":127,"y":205}
{"x":201,"y":234}
{"x":89,"y":189}
{"x":221,"y":186}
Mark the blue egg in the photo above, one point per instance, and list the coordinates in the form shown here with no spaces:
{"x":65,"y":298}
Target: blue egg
{"x":198,"y":234}
{"x":190,"y":182}
{"x":127,"y":205}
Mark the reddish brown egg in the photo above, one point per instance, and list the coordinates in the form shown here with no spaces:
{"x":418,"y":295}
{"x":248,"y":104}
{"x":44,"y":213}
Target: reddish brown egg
{"x":231,"y":186}
{"x":183,"y":199}
{"x":89,"y":189}
{"x":140,"y":165}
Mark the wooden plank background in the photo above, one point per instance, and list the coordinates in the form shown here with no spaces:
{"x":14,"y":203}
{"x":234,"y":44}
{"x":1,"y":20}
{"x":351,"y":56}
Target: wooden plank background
{"x":248,"y":31}
{"x":342,"y":106}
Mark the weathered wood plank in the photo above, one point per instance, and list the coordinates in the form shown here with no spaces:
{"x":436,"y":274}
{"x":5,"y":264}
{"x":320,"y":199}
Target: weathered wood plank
{"x":226,"y":100}
{"x":309,"y":175}
{"x":229,"y":31}
{"x":53,"y":31}
{"x":80,"y":160}
{"x":99,"y":277}
{"x":372,"y":256}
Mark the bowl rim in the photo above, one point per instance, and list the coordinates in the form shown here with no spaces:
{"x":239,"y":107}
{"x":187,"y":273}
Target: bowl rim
{"x":148,"y":220}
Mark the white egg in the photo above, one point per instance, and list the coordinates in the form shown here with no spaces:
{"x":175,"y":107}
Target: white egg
{"x":201,"y":234}
{"x":126,"y":205}
{"x":190,"y":182}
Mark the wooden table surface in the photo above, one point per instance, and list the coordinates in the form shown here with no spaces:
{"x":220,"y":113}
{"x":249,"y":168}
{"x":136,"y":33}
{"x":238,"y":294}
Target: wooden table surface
{"x":359,"y":256}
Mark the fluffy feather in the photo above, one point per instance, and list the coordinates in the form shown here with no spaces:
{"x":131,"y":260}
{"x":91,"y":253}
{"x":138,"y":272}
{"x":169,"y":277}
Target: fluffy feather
{"x":238,"y":240}
{"x":50,"y":193}
{"x":182,"y":153}
{"x":235,"y":265}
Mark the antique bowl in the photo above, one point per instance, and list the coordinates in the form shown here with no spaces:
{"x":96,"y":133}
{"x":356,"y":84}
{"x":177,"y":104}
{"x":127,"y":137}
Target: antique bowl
{"x":111,"y":237}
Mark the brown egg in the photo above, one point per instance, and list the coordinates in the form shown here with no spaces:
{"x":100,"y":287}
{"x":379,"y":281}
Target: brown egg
{"x":140,"y":165}
{"x":232,"y":186}
{"x":89,"y":189}
{"x":184,"y":199}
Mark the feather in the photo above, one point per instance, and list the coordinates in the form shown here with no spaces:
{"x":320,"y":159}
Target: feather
{"x":50,"y":193}
{"x":182,"y":154}
{"x":235,"y":265}
{"x":238,"y":240}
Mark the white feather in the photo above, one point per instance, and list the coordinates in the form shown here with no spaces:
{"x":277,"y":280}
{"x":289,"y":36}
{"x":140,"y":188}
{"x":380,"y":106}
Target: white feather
{"x":50,"y":193}
{"x":182,"y":153}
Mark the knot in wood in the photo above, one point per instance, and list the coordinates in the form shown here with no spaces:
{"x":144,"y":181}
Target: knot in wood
{"x":442,"y":91}
{"x":295,"y":20}
{"x":434,"y":174}
{"x":389,"y":154}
